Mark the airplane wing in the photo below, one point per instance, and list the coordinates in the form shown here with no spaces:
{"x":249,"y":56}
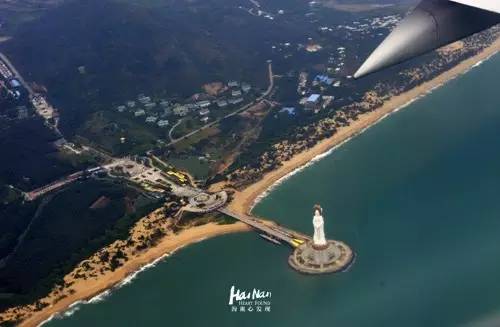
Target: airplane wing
{"x":490,"y":5}
{"x":432,"y":24}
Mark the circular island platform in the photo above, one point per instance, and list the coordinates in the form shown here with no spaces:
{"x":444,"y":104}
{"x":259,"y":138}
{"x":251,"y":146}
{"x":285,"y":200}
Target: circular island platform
{"x":334,"y":256}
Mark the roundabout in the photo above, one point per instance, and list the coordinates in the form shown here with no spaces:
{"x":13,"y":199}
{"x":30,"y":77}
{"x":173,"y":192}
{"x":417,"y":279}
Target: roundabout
{"x":335,"y":257}
{"x":206,"y":202}
{"x":321,"y":256}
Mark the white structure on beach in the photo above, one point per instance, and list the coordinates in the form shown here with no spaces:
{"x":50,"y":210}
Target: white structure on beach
{"x":319,"y":239}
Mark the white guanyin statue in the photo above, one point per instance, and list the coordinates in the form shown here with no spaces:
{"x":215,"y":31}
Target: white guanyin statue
{"x":319,"y":231}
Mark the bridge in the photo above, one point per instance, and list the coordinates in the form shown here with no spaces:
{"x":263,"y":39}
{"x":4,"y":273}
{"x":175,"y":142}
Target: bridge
{"x":276,"y":232}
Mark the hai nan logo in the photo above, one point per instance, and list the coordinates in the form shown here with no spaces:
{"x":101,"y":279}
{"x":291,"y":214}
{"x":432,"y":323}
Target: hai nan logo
{"x":249,"y":301}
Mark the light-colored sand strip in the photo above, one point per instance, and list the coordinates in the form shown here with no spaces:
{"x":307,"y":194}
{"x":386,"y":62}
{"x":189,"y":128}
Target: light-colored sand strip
{"x":86,"y":289}
{"x":244,"y":200}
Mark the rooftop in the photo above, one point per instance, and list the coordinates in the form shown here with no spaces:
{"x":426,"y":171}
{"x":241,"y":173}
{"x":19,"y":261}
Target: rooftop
{"x":313,"y":98}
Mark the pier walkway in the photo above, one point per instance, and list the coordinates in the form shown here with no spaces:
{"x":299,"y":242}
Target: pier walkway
{"x":277,"y":232}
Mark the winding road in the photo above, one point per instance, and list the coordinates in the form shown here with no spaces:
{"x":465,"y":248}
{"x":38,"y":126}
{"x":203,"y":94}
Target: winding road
{"x":171,"y":131}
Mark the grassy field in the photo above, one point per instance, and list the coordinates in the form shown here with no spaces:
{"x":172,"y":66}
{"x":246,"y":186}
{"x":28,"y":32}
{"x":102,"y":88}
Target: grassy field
{"x":106,"y":128}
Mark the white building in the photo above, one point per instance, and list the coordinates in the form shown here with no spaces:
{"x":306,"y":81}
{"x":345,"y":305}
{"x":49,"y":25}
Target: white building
{"x":139,"y":113}
{"x":144,"y":99}
{"x":221,"y":103}
{"x":236,"y":93}
{"x":246,"y":87}
{"x":203,"y":104}
{"x":313,"y":101}
{"x":180,"y":110}
{"x":235,"y":101}
{"x":150,"y":105}
{"x":4,"y":71}
{"x":151,"y":119}
{"x":162,"y":123}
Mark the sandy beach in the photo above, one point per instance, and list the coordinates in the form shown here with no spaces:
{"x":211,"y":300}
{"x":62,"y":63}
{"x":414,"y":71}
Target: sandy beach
{"x":86,"y":289}
{"x":244,"y":200}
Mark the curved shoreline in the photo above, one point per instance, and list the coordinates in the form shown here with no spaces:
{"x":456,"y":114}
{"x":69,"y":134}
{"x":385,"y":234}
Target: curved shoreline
{"x":86,"y":290}
{"x":243,"y":201}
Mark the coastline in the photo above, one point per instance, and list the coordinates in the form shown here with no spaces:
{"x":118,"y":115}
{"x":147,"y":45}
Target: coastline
{"x":243,"y":201}
{"x":91,"y":289}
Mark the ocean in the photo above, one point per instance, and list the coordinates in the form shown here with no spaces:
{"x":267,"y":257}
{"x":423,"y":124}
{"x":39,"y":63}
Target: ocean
{"x":416,"y":197}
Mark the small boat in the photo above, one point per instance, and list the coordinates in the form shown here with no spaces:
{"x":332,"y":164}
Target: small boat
{"x":269,"y":238}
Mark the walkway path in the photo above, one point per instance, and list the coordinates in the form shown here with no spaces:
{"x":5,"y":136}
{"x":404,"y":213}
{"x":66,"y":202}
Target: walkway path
{"x":278,"y":232}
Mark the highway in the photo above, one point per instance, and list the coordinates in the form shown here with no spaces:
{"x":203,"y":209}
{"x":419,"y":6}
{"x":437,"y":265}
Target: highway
{"x":35,"y":194}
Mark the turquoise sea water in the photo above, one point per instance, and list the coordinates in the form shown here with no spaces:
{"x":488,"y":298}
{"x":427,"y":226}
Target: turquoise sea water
{"x":416,"y":196}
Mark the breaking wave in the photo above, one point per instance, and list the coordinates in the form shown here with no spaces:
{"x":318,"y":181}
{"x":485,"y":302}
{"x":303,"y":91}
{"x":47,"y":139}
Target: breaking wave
{"x":74,"y":307}
{"x":323,"y":155}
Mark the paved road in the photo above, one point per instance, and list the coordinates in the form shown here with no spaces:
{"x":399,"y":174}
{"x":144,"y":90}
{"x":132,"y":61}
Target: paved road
{"x":35,"y":194}
{"x":245,"y":107}
{"x":171,"y":131}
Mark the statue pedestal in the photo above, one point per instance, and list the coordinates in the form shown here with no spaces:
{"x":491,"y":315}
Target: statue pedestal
{"x":333,"y":257}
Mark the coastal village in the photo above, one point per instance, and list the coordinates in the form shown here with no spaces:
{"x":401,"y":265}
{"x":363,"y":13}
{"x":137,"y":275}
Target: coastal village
{"x":321,"y":95}
{"x":200,"y":108}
